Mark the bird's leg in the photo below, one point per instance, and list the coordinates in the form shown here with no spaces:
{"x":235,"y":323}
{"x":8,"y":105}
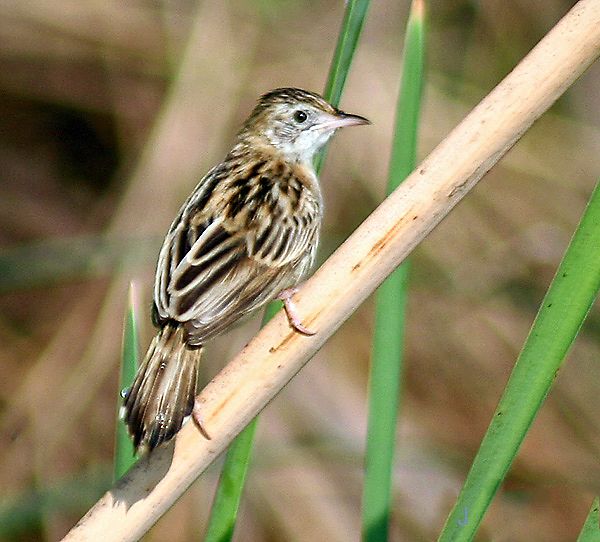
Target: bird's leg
{"x":291,"y":312}
{"x":199,"y":421}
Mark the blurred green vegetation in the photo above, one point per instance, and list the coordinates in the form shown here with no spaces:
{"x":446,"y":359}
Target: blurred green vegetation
{"x":386,"y":375}
{"x":125,"y":454}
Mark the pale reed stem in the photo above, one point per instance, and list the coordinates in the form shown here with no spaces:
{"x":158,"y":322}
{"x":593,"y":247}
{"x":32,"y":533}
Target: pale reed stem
{"x":353,"y":272}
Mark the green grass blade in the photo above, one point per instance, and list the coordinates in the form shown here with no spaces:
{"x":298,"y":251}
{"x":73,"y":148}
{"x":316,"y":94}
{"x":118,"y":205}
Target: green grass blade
{"x":591,"y":528}
{"x":124,"y":452}
{"x":563,"y":310}
{"x":352,"y":25}
{"x":231,"y":484}
{"x":226,"y":503}
{"x":388,"y":339}
{"x":404,"y":149}
{"x":354,"y":19}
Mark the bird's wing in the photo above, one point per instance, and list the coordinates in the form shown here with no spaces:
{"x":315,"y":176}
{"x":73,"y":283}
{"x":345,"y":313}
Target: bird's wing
{"x":213,"y":268}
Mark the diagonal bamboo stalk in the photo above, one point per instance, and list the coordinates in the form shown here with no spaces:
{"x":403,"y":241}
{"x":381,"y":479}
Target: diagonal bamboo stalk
{"x":352,"y":273}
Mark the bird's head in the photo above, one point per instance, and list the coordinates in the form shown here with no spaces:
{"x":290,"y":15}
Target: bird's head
{"x":297,"y":123}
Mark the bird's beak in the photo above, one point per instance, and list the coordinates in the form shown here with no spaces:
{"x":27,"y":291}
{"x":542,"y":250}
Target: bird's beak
{"x":341,"y":120}
{"x":347,"y":119}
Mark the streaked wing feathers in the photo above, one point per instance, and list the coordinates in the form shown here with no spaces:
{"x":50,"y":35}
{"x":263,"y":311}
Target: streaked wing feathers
{"x":215,"y":268}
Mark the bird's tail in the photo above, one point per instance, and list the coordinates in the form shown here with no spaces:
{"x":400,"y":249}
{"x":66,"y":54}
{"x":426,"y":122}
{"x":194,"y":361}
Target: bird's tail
{"x":163,"y":391}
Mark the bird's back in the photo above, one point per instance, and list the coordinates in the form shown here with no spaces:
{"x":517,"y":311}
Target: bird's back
{"x":249,"y":230}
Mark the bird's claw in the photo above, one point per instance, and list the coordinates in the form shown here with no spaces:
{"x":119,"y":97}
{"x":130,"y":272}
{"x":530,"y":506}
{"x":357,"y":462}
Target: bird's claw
{"x":292,"y":313}
{"x":199,"y":421}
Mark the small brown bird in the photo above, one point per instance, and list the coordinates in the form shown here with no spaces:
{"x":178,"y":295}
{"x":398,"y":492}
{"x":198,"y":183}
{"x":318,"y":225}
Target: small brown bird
{"x":247,"y":234}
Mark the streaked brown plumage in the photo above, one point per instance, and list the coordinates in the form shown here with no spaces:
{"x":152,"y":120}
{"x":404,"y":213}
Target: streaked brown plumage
{"x":248,"y":231}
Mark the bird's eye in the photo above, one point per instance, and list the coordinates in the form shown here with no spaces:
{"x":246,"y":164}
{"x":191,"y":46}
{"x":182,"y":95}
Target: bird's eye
{"x":300,"y":116}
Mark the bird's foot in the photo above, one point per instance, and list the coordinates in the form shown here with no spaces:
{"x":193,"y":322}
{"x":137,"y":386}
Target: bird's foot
{"x":291,"y":311}
{"x":199,"y":421}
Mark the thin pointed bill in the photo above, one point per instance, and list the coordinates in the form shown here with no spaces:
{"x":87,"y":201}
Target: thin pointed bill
{"x":341,"y":120}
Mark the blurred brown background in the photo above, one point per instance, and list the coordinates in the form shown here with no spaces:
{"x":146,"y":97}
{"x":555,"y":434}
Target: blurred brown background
{"x":109,"y":114}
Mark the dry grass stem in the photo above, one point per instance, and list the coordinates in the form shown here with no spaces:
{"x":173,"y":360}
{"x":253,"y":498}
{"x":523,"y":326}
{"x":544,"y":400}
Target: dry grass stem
{"x":276,"y":354}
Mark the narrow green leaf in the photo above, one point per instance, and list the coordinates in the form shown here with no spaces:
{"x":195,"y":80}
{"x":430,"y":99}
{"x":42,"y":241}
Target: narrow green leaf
{"x":352,"y":25}
{"x":124,"y":451}
{"x":388,"y":340}
{"x":563,"y":310}
{"x":404,"y":150}
{"x":226,"y":503}
{"x":591,"y":528}
{"x":231,"y":484}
